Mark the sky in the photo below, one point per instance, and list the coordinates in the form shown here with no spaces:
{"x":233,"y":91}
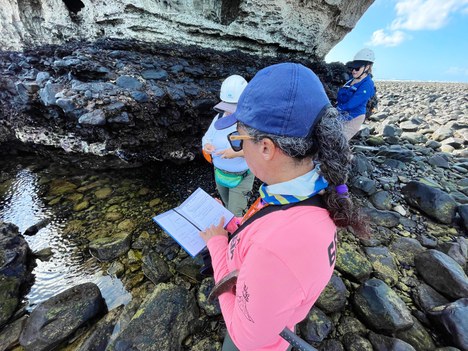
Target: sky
{"x":422,"y":40}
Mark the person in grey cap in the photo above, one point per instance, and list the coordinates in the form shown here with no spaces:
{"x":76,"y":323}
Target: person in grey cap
{"x":282,"y":252}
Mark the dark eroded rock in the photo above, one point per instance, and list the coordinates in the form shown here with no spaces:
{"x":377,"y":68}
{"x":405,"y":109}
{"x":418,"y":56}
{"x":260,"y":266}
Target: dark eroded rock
{"x":452,"y":319}
{"x":433,"y":202}
{"x":55,"y":320}
{"x":316,"y":326}
{"x":442,"y":273}
{"x":333,"y":298}
{"x":381,"y":308}
{"x":161,"y":323}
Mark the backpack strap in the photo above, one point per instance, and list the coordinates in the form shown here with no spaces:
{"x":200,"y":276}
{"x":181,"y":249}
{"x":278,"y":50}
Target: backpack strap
{"x":315,"y":200}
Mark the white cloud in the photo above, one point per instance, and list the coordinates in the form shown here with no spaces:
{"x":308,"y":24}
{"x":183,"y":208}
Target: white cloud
{"x":380,"y":37}
{"x":459,"y":71}
{"x":426,"y":14}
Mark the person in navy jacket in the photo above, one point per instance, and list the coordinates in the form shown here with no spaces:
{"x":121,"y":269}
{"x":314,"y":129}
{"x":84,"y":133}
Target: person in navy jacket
{"x":352,"y":97}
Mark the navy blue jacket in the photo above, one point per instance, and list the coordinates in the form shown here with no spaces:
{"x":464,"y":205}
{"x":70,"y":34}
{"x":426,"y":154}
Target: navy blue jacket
{"x":353,"y":98}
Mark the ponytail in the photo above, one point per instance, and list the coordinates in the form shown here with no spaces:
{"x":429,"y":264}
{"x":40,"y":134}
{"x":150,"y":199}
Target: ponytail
{"x":334,"y":157}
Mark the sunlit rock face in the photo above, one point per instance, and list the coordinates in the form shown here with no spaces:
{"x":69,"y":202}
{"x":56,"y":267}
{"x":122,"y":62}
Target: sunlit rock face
{"x":308,"y":27}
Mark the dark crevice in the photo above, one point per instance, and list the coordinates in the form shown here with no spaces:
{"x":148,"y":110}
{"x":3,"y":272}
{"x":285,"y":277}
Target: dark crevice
{"x":74,"y":6}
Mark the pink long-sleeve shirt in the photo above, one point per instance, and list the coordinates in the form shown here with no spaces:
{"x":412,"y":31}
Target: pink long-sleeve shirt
{"x":285,"y":259}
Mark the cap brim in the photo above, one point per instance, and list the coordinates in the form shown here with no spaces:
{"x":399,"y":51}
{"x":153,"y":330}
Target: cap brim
{"x":225,"y":122}
{"x":226,"y":106}
{"x":356,"y":64}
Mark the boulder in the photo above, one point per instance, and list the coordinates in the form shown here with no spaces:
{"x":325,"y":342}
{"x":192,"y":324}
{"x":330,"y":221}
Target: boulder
{"x":433,"y":202}
{"x":54,"y":321}
{"x":381,"y":308}
{"x":442,"y":273}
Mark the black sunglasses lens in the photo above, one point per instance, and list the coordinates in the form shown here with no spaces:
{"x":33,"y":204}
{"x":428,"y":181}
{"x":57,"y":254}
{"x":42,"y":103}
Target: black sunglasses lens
{"x":236,"y":145}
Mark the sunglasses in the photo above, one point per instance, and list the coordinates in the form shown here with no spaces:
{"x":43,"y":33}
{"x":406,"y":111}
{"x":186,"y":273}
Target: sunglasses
{"x":236,"y":140}
{"x":357,"y":68}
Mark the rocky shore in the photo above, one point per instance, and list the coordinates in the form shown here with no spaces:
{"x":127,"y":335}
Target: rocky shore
{"x":406,"y":288}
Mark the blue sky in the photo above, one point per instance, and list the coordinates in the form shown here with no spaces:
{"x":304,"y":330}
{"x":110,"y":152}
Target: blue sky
{"x":425,"y":40}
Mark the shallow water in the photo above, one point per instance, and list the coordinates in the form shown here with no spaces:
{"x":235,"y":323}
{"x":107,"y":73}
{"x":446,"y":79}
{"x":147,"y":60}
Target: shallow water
{"x":27,"y":196}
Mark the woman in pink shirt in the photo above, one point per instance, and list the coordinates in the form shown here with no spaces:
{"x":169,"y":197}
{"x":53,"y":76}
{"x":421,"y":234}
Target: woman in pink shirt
{"x":283,"y":250}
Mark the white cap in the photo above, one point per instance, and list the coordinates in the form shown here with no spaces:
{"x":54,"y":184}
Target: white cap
{"x":365,"y":55}
{"x":232,"y":88}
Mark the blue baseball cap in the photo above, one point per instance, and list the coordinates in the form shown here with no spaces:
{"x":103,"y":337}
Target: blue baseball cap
{"x":285,"y":99}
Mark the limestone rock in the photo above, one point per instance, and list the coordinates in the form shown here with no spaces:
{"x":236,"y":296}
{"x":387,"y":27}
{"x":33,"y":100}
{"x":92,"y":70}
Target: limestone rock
{"x":308,"y":28}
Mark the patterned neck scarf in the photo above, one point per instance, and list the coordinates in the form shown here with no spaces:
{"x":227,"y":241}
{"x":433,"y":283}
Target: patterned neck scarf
{"x":294,"y":190}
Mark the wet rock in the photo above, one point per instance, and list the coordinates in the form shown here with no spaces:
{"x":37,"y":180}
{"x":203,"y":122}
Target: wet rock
{"x":331,"y":345}
{"x":457,"y":250}
{"x":442,"y":273}
{"x":416,"y":336}
{"x":110,"y":248}
{"x":44,"y":254}
{"x":385,"y":343}
{"x":350,"y":325}
{"x":211,"y":308}
{"x":463,"y":211}
{"x":353,"y":342}
{"x":381,"y":308}
{"x":9,"y":336}
{"x":452,"y":319}
{"x":364,"y":185}
{"x":32,"y":230}
{"x":155,"y":268}
{"x":383,"y":263}
{"x":100,"y":334}
{"x":316,"y":326}
{"x":161,"y":323}
{"x":15,"y":270}
{"x":351,"y":263}
{"x":426,"y":298}
{"x":55,"y":320}
{"x":387,"y":219}
{"x":406,"y":249}
{"x":382,"y":200}
{"x":47,"y":94}
{"x":334,"y":297}
{"x":61,"y":187}
{"x":433,"y":202}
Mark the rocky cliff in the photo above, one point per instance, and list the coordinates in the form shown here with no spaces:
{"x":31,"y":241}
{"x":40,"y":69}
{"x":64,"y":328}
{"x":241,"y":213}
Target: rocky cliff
{"x":262,"y":27}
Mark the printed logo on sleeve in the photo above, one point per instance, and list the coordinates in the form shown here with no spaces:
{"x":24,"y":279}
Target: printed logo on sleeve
{"x":242,"y":301}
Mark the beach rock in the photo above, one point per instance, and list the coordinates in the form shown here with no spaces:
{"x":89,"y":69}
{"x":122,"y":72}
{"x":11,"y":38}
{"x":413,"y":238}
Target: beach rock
{"x":211,"y":308}
{"x":101,"y":332}
{"x":426,"y":298}
{"x":463,"y":211}
{"x":388,"y":219}
{"x":452,"y":319}
{"x":15,"y":270}
{"x":382,"y":200}
{"x":351,"y":263}
{"x":405,"y":249}
{"x":163,"y":320}
{"x":385,"y":343}
{"x":9,"y":336}
{"x":381,"y":308}
{"x":155,"y":268}
{"x":55,"y":320}
{"x":109,"y":248}
{"x":433,"y":202}
{"x":334,"y":297}
{"x":417,"y":336}
{"x":383,"y":263}
{"x":353,"y":342}
{"x":316,"y":326}
{"x":442,"y":273}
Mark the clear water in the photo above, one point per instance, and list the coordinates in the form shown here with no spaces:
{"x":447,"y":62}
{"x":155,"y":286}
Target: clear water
{"x":69,"y":266}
